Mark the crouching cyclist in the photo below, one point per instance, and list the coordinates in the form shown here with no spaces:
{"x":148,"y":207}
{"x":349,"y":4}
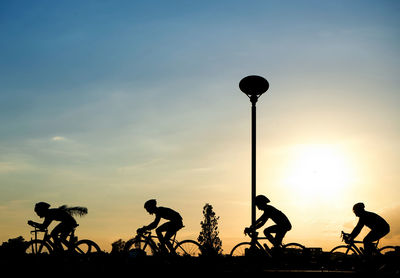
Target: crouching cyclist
{"x":62,"y":214}
{"x":379,"y":227}
{"x":174,"y":223}
{"x":282,"y":223}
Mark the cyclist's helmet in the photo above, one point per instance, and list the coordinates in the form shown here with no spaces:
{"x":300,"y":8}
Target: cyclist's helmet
{"x":150,"y":204}
{"x":358,"y":207}
{"x":261,"y":199}
{"x":41,"y":207}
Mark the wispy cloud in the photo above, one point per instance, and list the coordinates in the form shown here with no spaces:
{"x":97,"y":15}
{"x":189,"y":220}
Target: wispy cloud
{"x":58,"y":138}
{"x":137,"y":167}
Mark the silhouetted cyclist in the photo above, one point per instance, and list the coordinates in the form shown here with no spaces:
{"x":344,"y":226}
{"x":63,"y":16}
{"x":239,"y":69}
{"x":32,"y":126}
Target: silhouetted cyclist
{"x":282,"y":223}
{"x":379,"y":227}
{"x":173,"y":225}
{"x":63,"y":214}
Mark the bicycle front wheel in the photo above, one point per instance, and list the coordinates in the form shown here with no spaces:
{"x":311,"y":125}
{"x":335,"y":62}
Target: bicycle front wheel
{"x":344,"y":257}
{"x":86,"y":247}
{"x":343,"y":250}
{"x":139,"y":247}
{"x":243,"y":249}
{"x":188,"y":248}
{"x":38,"y":246}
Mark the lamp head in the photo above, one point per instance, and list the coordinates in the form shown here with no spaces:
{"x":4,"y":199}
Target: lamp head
{"x":253,"y":86}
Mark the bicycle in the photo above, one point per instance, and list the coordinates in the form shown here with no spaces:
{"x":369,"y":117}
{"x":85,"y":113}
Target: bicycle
{"x":145,"y":244}
{"x":254,"y":247}
{"x":47,"y":246}
{"x":350,"y":254}
{"x":352,"y":249}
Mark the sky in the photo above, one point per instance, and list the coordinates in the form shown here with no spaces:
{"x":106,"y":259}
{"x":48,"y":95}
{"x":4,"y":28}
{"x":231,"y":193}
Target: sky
{"x":107,"y":104}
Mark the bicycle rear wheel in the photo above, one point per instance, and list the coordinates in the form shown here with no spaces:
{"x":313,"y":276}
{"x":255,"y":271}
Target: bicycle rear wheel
{"x":188,"y":248}
{"x":38,"y":246}
{"x":388,"y":250}
{"x":86,"y":247}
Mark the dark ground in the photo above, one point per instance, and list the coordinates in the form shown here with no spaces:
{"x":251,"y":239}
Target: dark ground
{"x":107,"y":265}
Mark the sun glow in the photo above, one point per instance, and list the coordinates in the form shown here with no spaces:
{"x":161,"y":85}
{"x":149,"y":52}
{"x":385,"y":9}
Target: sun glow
{"x":318,"y":171}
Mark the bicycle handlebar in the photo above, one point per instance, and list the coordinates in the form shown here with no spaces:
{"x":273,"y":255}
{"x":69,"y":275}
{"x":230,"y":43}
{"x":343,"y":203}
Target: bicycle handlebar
{"x":346,"y":237}
{"x":142,"y":232}
{"x":251,"y":233}
{"x":34,"y":225}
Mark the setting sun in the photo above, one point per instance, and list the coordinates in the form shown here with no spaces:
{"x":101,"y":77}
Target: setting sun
{"x":319,"y":171}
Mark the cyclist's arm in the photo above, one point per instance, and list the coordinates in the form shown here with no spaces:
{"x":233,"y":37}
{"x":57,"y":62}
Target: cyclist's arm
{"x":153,"y":224}
{"x":260,"y":222}
{"x":357,"y":229}
{"x":33,"y":223}
{"x":45,"y":223}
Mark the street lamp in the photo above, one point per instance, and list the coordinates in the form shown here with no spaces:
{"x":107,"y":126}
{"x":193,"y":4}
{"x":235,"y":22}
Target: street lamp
{"x":253,"y":86}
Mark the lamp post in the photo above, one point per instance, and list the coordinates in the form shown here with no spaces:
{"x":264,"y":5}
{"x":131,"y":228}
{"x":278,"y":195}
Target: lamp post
{"x":253,"y":86}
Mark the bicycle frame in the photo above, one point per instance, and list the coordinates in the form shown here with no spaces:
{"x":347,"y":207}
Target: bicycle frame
{"x":254,"y":247}
{"x":148,"y":238}
{"x":352,"y":245}
{"x":255,"y":241}
{"x":49,"y":240}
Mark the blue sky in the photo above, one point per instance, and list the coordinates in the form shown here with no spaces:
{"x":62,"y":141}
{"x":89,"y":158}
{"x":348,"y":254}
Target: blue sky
{"x":107,"y":103}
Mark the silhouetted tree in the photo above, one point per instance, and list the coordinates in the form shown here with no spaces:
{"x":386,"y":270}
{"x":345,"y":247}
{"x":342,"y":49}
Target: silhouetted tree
{"x":118,"y":246}
{"x":209,"y":240}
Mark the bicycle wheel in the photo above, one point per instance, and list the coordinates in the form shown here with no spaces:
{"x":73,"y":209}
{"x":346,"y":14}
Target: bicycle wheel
{"x":38,"y":246}
{"x":188,"y":248}
{"x":389,"y":250}
{"x":293,"y":249}
{"x":244,"y":249}
{"x":86,"y":247}
{"x":135,"y":248}
{"x":343,"y":249}
{"x":344,"y":257}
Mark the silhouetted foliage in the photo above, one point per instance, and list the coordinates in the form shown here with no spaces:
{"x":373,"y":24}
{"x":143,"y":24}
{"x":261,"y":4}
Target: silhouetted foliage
{"x":74,"y":211}
{"x":209,"y":240}
{"x":14,"y":246}
{"x":118,"y":246}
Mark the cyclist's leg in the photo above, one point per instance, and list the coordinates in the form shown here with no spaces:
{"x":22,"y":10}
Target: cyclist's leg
{"x":280,"y":234}
{"x":171,"y":229}
{"x":268,"y":231}
{"x":372,"y":236}
{"x":55,"y":235}
{"x":65,"y":231}
{"x":159,"y":231}
{"x":168,"y":243}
